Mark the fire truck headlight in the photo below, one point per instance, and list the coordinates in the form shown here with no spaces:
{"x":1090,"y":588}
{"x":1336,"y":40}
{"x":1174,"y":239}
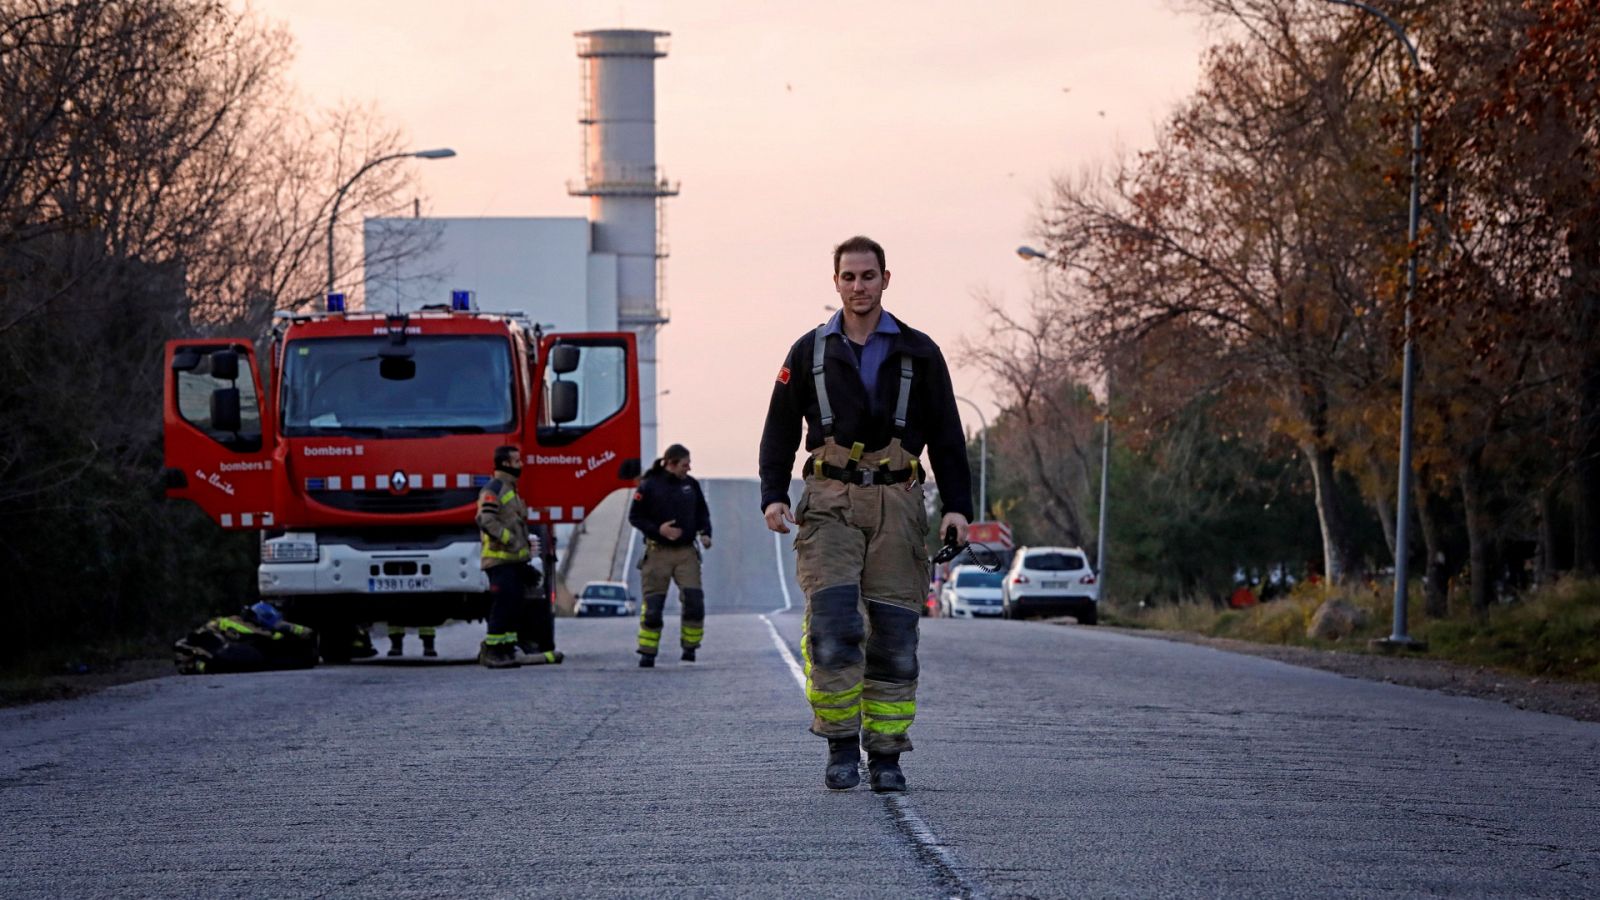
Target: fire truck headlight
{"x":290,"y":548}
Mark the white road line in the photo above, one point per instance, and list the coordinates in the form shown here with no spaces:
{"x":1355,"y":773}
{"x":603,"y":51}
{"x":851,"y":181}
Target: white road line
{"x":784,"y":651}
{"x":928,"y":842}
{"x":783,"y":580}
{"x":907,"y":819}
{"x":627,"y":561}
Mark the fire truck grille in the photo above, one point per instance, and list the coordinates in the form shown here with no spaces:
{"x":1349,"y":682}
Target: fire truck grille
{"x":385,"y":502}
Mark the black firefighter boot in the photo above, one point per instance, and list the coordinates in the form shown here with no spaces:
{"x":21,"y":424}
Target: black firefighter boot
{"x":397,"y":641}
{"x":883,"y":772}
{"x":427,"y":646}
{"x":844,"y":764}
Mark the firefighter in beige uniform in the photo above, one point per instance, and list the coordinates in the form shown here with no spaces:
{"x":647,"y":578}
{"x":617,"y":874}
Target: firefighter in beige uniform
{"x":670,"y":510}
{"x":863,"y":380}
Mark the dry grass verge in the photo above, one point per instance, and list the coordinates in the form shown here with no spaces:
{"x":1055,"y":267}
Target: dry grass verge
{"x":1552,"y":633}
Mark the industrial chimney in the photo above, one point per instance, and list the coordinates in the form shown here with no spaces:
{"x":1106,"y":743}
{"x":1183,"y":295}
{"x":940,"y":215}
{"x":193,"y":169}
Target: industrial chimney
{"x":625,"y":189}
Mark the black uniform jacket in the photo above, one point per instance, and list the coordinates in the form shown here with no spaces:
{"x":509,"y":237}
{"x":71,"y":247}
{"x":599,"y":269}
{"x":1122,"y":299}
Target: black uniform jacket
{"x":932,"y":420}
{"x":664,"y":497}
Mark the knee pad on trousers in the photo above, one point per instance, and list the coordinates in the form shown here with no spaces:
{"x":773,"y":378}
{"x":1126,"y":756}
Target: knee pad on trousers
{"x":836,"y":627}
{"x":651,"y":615}
{"x":892,"y":649}
{"x":694,"y":605}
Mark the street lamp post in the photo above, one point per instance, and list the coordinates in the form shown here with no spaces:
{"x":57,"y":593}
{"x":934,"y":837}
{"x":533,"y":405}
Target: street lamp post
{"x":983,"y":462}
{"x":1399,"y":638}
{"x":333,"y":216}
{"x":1030,"y":254}
{"x":1105,"y":470}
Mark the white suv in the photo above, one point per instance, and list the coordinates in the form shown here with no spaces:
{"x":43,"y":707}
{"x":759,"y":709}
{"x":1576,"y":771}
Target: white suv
{"x":1050,"y":581}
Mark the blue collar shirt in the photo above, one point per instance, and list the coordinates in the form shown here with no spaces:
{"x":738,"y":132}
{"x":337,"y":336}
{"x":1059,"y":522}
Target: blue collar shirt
{"x":871,"y":356}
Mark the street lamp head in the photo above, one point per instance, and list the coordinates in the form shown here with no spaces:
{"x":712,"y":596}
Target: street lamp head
{"x":1027,"y":252}
{"x":437,"y":153}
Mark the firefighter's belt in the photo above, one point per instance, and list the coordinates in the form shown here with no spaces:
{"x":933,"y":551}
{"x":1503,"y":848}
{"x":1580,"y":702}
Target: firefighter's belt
{"x":863,"y":476}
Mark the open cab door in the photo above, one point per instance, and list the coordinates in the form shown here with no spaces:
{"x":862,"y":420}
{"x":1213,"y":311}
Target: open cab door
{"x":582,"y":441}
{"x":217,"y":442}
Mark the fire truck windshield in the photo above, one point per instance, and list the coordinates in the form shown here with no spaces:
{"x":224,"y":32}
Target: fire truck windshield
{"x":333,"y":386}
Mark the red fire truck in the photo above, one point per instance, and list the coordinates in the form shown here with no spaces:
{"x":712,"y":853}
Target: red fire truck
{"x":358,"y":455}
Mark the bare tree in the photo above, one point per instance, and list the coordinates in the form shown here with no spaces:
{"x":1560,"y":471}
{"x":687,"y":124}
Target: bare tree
{"x":154,"y":183}
{"x":1049,"y":414}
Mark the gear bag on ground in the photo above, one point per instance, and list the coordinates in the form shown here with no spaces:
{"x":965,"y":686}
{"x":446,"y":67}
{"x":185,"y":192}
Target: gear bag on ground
{"x":256,"y":639}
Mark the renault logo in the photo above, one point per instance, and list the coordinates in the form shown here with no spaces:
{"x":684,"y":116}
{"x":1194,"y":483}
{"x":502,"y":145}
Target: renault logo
{"x":398,"y":482}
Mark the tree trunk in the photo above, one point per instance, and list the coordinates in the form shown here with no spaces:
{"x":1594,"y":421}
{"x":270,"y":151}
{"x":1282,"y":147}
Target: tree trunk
{"x":1336,"y":555}
{"x":1383,"y":503}
{"x":1059,"y":508}
{"x":1480,"y":540}
{"x":1545,"y":560}
{"x":1581,"y":245}
{"x":1586,"y":473}
{"x":1435,"y":572}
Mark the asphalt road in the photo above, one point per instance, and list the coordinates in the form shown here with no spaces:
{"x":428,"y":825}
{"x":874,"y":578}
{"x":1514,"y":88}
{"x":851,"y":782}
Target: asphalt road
{"x":1052,"y":761}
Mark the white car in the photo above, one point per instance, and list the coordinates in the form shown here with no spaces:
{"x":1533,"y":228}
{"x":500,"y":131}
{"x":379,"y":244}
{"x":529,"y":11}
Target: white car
{"x":970,"y":592}
{"x":1050,"y":581}
{"x":605,"y":598}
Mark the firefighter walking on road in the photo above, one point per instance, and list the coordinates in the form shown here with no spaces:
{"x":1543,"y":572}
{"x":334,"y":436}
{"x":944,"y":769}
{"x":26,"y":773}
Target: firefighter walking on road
{"x":862,"y":380}
{"x":507,"y":551}
{"x":670,"y":510}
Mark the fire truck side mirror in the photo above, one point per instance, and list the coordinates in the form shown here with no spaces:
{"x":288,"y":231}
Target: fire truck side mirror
{"x":225,"y":365}
{"x":563,"y":359}
{"x":563,"y":402}
{"x":225,"y":409}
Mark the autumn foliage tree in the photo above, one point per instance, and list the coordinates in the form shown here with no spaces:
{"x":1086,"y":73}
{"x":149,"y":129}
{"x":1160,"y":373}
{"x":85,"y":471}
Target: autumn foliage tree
{"x":1252,"y":261}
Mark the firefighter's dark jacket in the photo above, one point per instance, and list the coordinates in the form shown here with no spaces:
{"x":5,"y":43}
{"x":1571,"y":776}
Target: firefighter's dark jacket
{"x":664,"y":497}
{"x":932,"y":420}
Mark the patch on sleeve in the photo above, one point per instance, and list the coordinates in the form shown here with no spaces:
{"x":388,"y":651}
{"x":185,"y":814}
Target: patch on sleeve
{"x":638,"y":495}
{"x":783,"y":375}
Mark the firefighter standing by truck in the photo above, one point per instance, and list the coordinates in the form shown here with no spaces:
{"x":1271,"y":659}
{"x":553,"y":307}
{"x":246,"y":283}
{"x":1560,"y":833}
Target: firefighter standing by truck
{"x":507,"y":551}
{"x":863,"y":380}
{"x":397,"y":639}
{"x":670,"y":510}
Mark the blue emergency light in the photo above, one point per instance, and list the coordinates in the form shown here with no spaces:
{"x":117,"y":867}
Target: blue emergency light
{"x":461,"y":301}
{"x":336,"y":303}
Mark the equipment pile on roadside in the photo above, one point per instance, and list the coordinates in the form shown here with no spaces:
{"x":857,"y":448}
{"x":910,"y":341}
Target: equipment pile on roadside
{"x":255,"y":640}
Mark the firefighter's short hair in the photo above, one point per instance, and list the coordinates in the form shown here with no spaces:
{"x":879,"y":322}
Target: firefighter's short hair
{"x":508,"y":453}
{"x":859,"y":244}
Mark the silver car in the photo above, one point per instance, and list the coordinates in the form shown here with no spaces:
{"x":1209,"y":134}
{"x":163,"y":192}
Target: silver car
{"x":970,"y":592}
{"x":605,"y":598}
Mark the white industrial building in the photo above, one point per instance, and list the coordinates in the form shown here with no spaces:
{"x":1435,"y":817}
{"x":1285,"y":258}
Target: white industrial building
{"x":600,"y":273}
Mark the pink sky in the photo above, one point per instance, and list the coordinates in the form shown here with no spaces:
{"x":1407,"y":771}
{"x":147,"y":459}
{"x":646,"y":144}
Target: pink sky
{"x":933,"y":127}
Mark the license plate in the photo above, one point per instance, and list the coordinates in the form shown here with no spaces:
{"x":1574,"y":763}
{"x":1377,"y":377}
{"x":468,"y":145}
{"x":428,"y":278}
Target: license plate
{"x":1058,"y":584}
{"x":387,"y":583}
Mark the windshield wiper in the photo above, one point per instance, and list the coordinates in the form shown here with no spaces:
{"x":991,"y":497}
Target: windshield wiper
{"x":403,"y":429}
{"x":368,"y":430}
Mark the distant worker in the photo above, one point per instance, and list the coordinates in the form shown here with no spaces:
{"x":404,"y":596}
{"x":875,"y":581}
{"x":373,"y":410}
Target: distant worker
{"x":863,"y":379}
{"x":507,"y":550}
{"x":670,"y":510}
{"x":397,"y":640}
